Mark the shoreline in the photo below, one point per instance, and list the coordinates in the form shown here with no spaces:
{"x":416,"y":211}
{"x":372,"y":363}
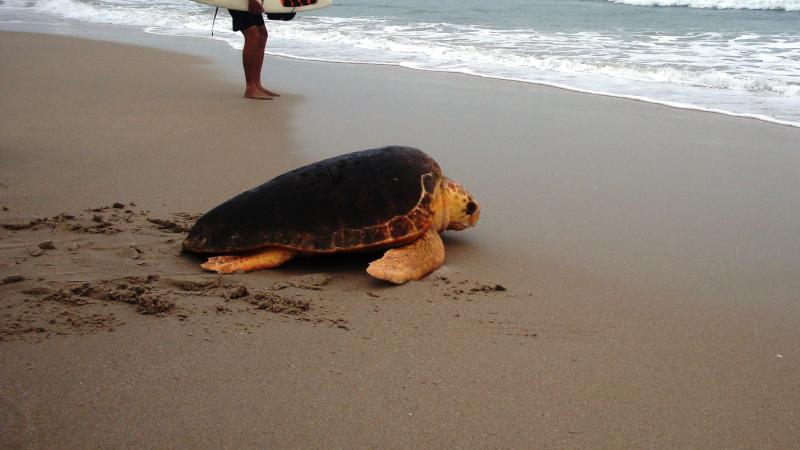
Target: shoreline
{"x":647,"y":257}
{"x":667,"y":103}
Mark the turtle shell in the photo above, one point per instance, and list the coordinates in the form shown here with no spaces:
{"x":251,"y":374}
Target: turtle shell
{"x":357,"y":201}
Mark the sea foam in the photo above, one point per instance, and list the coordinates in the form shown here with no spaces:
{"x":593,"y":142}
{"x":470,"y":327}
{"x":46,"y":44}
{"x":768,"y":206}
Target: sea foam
{"x":524,"y":54}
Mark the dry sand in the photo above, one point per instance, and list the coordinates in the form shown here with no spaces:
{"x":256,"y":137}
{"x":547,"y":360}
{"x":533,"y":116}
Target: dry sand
{"x":634,"y":280}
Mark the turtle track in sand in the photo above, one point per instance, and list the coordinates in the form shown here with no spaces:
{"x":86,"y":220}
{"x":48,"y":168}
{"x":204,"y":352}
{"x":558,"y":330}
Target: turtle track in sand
{"x":55,"y":280}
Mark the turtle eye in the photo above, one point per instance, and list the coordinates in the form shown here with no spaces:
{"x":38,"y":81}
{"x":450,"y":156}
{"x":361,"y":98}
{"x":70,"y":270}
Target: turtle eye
{"x":471,"y":208}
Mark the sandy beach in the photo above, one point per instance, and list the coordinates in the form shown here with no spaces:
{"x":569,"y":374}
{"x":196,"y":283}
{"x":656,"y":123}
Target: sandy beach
{"x":634,"y":281}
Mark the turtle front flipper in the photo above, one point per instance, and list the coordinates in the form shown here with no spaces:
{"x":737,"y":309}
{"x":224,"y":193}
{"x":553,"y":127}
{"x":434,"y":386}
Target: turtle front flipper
{"x":262,"y":259}
{"x":411,"y":262}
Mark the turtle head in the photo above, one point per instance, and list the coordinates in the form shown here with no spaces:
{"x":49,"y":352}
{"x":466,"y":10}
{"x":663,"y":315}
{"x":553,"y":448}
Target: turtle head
{"x":461,"y":209}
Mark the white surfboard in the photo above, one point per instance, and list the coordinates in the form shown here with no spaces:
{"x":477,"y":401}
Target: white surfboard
{"x":272,"y":6}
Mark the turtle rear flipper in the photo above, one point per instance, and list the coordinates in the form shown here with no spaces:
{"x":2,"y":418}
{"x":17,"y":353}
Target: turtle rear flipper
{"x":262,"y":259}
{"x":411,"y":262}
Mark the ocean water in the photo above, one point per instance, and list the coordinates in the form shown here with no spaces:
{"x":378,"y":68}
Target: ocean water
{"x":740,"y":57}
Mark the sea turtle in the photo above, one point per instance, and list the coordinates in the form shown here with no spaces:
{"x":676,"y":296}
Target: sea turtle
{"x":392,"y":197}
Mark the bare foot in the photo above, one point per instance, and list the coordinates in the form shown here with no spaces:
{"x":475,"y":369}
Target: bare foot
{"x":256,"y":94}
{"x":268,"y":92}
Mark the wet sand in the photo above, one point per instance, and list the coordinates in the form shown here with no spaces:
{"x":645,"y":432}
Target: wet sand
{"x":634,"y":280}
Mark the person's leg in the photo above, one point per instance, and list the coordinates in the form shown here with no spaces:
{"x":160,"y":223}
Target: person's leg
{"x":255,"y":41}
{"x":262,"y":46}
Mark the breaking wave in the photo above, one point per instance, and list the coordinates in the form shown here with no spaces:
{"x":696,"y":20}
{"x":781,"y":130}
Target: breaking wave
{"x":784,"y":5}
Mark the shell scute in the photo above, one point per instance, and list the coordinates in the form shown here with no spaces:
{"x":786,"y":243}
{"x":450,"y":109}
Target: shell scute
{"x":401,"y":226}
{"x":420,"y":218}
{"x":350,"y":238}
{"x":376,"y":234}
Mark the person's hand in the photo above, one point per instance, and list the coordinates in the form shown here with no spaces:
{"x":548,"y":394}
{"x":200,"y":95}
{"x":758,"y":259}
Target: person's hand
{"x":254,"y":6}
